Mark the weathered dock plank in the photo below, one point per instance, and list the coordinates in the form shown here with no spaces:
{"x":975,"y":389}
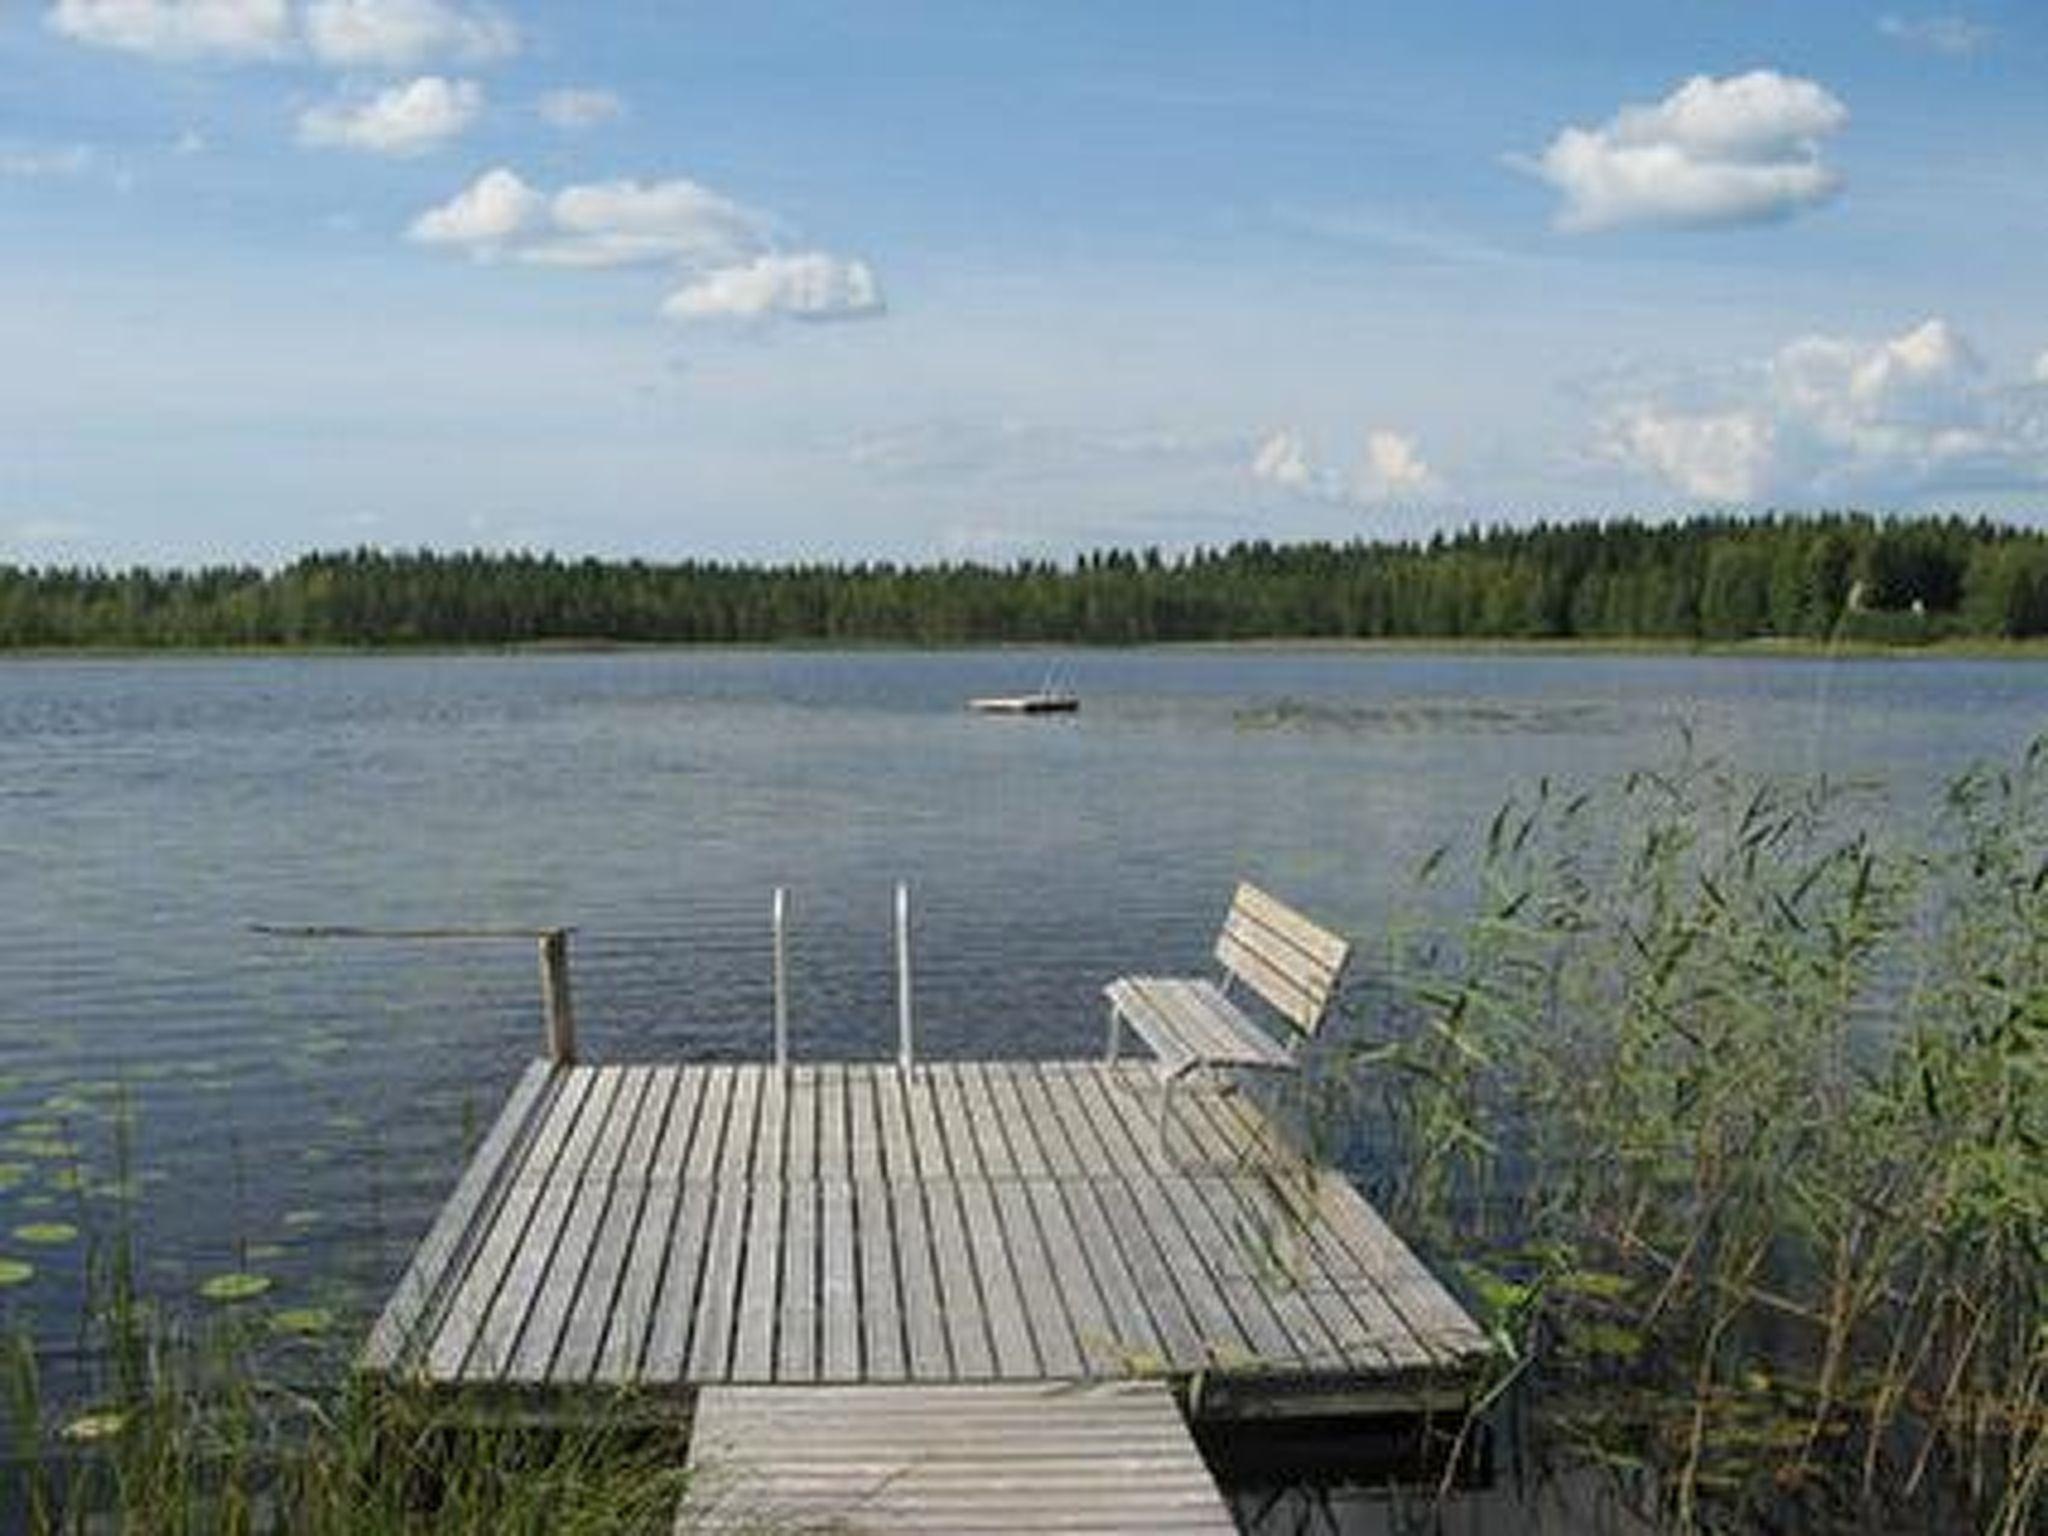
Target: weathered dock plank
{"x":692,"y":1225}
{"x":1104,"y":1457}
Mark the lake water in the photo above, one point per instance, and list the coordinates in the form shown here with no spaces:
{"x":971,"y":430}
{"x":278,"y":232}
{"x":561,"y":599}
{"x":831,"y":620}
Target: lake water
{"x":300,"y":1108}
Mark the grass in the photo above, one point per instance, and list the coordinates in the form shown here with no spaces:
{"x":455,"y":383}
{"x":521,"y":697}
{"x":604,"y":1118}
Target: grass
{"x":1731,"y":1098}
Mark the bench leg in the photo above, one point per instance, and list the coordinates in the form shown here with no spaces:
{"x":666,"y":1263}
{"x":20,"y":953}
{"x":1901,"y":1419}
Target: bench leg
{"x":1116,"y":1021}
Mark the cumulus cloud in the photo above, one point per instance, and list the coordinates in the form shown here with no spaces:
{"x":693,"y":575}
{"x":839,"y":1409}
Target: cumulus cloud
{"x":625,"y":223}
{"x":579,"y":107}
{"x":1956,"y":36}
{"x":1281,"y":458}
{"x":402,"y":34}
{"x":1828,"y":417}
{"x":727,"y":254}
{"x":1391,"y":468}
{"x":483,"y":216}
{"x":407,"y":119}
{"x":178,"y":29}
{"x":1742,"y":150}
{"x":805,"y":285}
{"x":348,"y":34}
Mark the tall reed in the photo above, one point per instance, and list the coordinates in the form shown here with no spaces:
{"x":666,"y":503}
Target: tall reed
{"x":1732,"y":1094}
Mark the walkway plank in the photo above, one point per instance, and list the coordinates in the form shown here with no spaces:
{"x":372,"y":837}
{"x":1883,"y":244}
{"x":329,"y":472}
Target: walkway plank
{"x":1108,"y":1457}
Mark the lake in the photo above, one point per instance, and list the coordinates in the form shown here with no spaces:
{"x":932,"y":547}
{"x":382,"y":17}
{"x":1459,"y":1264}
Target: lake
{"x":300,"y":1108}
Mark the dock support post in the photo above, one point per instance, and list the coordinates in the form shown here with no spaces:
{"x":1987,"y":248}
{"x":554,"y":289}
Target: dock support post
{"x":781,"y":979}
{"x":906,"y":1053}
{"x":554,"y":991}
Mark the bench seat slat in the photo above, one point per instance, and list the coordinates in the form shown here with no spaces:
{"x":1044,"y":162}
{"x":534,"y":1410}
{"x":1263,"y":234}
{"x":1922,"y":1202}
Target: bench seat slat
{"x":1191,"y":1021}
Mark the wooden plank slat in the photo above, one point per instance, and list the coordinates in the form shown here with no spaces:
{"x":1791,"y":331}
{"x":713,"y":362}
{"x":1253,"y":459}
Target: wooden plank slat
{"x":562,"y":1283}
{"x":1110,"y":1457}
{"x":761,"y":1276}
{"x":436,"y":1263}
{"x":1225,"y":1341}
{"x":1301,"y":1002}
{"x":717,"y":1311}
{"x":800,"y":1157}
{"x":839,"y":1287}
{"x":967,"y":1336}
{"x":924,"y":1313}
{"x":1234,"y":1266}
{"x":1316,"y":944}
{"x":625,"y":1330}
{"x":797,"y":1328}
{"x":464,"y":1314}
{"x":491,"y":1354}
{"x":881,"y":1301}
{"x":1111,"y":1320}
{"x":1110,"y":1212}
{"x":669,"y":1338}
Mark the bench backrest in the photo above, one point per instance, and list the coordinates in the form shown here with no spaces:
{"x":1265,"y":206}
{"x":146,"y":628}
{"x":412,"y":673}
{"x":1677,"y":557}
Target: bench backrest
{"x":1292,"y":963}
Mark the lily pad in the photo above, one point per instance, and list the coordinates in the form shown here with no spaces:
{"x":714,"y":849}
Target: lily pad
{"x":235,"y":1285}
{"x":16,"y":1272}
{"x":1594,"y":1284}
{"x":88,"y":1427}
{"x":47,"y":1234}
{"x":14,"y":1175}
{"x":304,"y":1320}
{"x":41,"y":1146}
{"x":301,"y":1218}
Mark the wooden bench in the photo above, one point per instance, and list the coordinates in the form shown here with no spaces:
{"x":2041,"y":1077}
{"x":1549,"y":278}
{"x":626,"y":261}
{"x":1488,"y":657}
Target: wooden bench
{"x":1288,"y":962}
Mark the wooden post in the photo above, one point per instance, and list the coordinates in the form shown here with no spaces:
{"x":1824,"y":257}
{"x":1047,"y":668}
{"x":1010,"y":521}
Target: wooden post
{"x":781,"y":979}
{"x":906,"y":1053}
{"x":554,"y":992}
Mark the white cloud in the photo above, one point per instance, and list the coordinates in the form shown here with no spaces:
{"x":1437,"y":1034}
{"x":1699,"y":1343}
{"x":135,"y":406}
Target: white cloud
{"x":483,"y":216}
{"x":1390,"y":469}
{"x":580,"y":107}
{"x":804,"y":285}
{"x":402,"y":34}
{"x":727,"y":254}
{"x":1720,"y":456}
{"x":2041,"y":368}
{"x":624,"y":223}
{"x":1393,"y":468}
{"x":190,"y":142}
{"x":1956,"y":36}
{"x":177,"y":29}
{"x":1282,"y":458}
{"x":1741,"y":150}
{"x":35,"y":162}
{"x":1828,"y":418}
{"x":407,"y":119}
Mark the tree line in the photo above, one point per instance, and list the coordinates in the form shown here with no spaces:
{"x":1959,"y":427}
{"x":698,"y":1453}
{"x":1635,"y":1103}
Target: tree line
{"x":1709,"y":579}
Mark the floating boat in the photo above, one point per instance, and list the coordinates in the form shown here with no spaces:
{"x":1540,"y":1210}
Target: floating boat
{"x":1046,"y":701}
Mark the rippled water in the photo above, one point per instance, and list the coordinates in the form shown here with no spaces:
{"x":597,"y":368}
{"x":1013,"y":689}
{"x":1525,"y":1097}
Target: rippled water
{"x":300,"y":1108}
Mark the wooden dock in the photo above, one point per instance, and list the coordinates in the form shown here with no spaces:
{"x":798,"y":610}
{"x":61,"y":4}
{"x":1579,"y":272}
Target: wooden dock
{"x":687,"y":1227}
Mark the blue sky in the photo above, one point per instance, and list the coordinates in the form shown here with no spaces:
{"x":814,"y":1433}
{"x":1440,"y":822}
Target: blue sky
{"x":980,"y":280}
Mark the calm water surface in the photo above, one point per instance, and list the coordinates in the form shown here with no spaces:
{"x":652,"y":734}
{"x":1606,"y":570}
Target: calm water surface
{"x":301,"y":1108}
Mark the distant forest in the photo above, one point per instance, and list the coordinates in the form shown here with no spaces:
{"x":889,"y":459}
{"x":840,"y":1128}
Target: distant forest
{"x":1716,"y":579}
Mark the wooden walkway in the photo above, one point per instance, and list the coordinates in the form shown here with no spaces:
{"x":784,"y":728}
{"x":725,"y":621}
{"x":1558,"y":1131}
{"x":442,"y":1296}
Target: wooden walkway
{"x":1042,"y":1456}
{"x":691,"y":1226}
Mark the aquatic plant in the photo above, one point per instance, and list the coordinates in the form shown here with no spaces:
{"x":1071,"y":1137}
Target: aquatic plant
{"x":1731,"y":1097}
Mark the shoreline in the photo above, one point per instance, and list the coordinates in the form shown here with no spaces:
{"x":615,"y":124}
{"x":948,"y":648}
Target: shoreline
{"x":1766,"y":648}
